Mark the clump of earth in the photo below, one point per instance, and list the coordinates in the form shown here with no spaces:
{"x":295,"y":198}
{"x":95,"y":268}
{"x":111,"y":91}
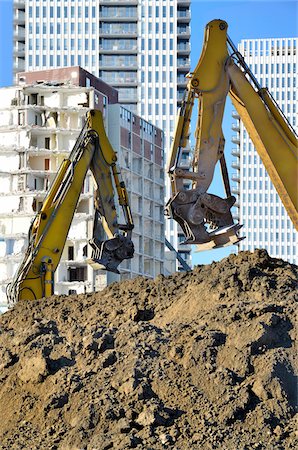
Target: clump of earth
{"x":197,"y":360}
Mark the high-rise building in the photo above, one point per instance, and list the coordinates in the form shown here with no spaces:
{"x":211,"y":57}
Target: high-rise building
{"x":274,"y":63}
{"x":140,"y":47}
{"x":40,"y":119}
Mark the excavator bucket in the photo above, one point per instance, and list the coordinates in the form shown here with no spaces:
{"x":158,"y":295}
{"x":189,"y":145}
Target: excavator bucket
{"x":109,"y":254}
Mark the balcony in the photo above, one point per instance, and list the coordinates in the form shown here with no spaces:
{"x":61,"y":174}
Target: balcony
{"x":235,"y":127}
{"x":19,"y":49}
{"x":180,"y":96}
{"x":111,"y":66}
{"x":235,"y":115}
{"x":119,"y":51}
{"x":19,"y":34}
{"x":118,"y":62}
{"x":236,"y":140}
{"x":118,"y":2}
{"x":185,"y":69}
{"x":183,"y":16}
{"x":185,"y":162}
{"x":19,"y":65}
{"x":119,"y":81}
{"x":119,"y":18}
{"x":183,"y":62}
{"x":236,"y":165}
{"x":183,"y":31}
{"x":235,"y":191}
{"x":19,"y":17}
{"x":118,"y":31}
{"x":236,"y":177}
{"x":127,"y":98}
{"x":236,"y":152}
{"x":19,"y":5}
{"x":183,"y":48}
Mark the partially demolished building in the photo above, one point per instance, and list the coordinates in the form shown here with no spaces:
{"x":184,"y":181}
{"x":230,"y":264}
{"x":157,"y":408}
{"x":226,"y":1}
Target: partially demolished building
{"x":40,"y":119}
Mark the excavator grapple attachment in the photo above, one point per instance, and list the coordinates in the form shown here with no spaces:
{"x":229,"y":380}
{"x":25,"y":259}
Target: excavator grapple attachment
{"x":109,"y":254}
{"x":205,"y":219}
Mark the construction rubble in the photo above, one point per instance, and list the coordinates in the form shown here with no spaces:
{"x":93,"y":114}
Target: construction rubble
{"x":198,"y":360}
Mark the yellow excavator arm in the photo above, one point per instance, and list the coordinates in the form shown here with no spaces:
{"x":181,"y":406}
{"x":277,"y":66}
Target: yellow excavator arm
{"x":49,"y":229}
{"x":205,"y":218}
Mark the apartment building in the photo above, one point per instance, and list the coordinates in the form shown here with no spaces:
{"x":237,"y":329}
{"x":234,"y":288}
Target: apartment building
{"x":267,"y":225}
{"x":140,"y":47}
{"x":40,"y":119}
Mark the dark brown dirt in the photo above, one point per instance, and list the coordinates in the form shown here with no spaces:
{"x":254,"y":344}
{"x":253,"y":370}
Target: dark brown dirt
{"x":198,"y":360}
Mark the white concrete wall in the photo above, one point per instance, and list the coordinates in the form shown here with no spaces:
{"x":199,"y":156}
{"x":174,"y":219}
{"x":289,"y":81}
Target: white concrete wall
{"x":11,"y":138}
{"x":2,"y":249}
{"x":74,"y":99}
{"x":6,"y":95}
{"x":37,"y":163}
{"x":6,"y":118}
{"x":78,"y":229}
{"x":7,"y":270}
{"x":6,"y":185}
{"x":8,"y":204}
{"x":12,"y":246}
{"x":18,"y":224}
{"x":52,"y":100}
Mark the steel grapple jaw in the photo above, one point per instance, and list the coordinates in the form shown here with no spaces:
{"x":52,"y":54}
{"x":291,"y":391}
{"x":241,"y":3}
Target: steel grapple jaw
{"x":205,"y":219}
{"x":110,"y":253}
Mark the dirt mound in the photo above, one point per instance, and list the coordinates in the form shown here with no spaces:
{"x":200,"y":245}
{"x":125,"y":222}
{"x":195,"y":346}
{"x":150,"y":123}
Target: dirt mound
{"x":198,"y":360}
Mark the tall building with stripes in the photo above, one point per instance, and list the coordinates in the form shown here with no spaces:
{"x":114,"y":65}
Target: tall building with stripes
{"x":274,"y":63}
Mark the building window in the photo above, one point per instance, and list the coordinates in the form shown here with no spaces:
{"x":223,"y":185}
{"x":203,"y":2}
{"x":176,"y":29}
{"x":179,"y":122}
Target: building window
{"x":70,"y":253}
{"x":77,"y":273}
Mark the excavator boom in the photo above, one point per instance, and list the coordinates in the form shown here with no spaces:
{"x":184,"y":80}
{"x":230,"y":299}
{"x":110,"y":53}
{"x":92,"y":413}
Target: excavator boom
{"x":205,"y":218}
{"x":49,"y":229}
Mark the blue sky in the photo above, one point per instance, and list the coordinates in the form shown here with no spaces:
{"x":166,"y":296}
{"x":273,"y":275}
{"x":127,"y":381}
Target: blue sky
{"x":5,"y":42}
{"x":246,"y":19}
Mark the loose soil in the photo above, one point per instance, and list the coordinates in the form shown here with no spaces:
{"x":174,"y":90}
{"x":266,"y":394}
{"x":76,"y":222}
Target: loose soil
{"x":197,"y":360}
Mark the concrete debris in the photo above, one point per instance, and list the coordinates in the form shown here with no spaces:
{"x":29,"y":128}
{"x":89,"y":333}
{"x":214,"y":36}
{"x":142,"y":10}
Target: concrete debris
{"x":198,"y":360}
